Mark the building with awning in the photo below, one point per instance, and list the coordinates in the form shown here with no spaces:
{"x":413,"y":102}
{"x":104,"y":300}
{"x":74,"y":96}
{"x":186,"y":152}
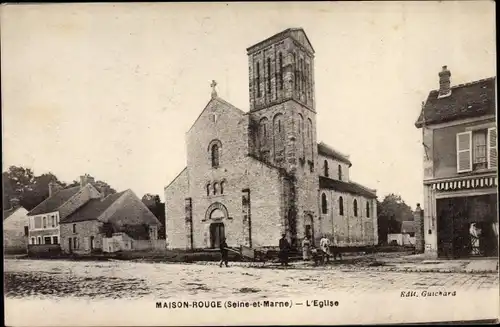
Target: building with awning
{"x":459,"y":137}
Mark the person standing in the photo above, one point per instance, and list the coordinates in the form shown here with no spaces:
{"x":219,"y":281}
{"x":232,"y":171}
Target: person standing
{"x":223,"y":253}
{"x":306,"y":249}
{"x":284,"y":248}
{"x":324,"y":244}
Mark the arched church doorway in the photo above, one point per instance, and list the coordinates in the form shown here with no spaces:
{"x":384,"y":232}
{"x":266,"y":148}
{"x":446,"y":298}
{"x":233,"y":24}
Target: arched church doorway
{"x":309,"y":227}
{"x":216,"y":234}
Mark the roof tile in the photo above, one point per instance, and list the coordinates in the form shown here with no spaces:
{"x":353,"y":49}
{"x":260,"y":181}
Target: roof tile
{"x":92,"y":209}
{"x":53,"y":203}
{"x":466,"y":101}
{"x":353,"y":188}
{"x":328,"y":151}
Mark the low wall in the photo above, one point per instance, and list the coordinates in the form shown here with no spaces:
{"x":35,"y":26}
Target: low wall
{"x":149,"y":245}
{"x":401,"y":239}
{"x":43,"y":249}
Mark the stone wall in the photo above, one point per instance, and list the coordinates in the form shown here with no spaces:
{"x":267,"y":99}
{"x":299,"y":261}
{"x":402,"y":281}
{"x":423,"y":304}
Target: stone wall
{"x":347,"y":229}
{"x":418,"y":217}
{"x":175,"y":193}
{"x":83,"y":231}
{"x":333,"y":168}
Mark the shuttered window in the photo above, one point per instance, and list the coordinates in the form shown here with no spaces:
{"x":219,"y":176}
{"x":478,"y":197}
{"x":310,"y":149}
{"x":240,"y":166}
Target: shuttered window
{"x":492,"y":147}
{"x":464,"y":152}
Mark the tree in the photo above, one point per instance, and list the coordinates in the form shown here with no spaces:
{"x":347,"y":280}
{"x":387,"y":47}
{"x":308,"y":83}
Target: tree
{"x":154,"y":204}
{"x":391,"y":212}
{"x":39,"y":189}
{"x":101,"y":185}
{"x":21,"y":183}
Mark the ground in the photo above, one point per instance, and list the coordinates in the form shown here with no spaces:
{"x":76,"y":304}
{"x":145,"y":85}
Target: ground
{"x":126,"y":279}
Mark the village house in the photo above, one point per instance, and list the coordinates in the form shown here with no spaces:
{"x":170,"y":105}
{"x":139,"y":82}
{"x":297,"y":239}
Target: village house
{"x":459,"y":133}
{"x":406,"y":235}
{"x":15,"y":228}
{"x":81,"y":219}
{"x":252,"y":176}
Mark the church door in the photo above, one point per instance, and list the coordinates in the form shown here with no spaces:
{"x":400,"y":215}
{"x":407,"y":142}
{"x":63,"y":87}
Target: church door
{"x":216,"y":234}
{"x":309,"y":228}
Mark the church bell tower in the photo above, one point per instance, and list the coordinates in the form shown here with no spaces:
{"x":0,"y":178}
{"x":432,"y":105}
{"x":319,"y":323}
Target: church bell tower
{"x":283,"y":117}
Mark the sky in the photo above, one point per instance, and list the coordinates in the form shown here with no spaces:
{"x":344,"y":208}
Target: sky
{"x":112,"y":89}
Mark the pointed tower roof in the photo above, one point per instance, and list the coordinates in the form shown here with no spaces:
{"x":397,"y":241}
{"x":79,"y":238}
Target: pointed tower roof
{"x":297,"y":34}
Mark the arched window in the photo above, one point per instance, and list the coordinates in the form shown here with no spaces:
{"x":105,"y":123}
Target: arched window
{"x":301,"y":68}
{"x":216,"y":186}
{"x":295,"y":72}
{"x":310,"y":136}
{"x":278,"y":138}
{"x":324,"y":204}
{"x":325,"y":168}
{"x":281,"y":70}
{"x":355,"y":207}
{"x":269,"y":76}
{"x":367,"y":209}
{"x":341,"y":206}
{"x":215,"y":155}
{"x":308,"y":91}
{"x":340,"y":172}
{"x":301,"y":138}
{"x":208,"y":189}
{"x":257,"y":82}
{"x":222,"y":187}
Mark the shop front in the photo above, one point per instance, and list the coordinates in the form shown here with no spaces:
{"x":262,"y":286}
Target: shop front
{"x":463,"y":218}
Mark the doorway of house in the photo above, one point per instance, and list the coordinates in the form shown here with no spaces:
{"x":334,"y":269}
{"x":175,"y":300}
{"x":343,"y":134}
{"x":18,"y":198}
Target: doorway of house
{"x":309,"y":229}
{"x":70,"y":244}
{"x":467,"y":226}
{"x":216,"y":234}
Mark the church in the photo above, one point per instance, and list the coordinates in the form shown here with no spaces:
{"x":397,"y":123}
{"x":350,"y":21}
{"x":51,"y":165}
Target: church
{"x":253,"y":176}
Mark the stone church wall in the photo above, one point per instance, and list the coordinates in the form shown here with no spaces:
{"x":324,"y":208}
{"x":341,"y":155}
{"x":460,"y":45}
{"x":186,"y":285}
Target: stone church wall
{"x":347,"y":229}
{"x":175,"y":194}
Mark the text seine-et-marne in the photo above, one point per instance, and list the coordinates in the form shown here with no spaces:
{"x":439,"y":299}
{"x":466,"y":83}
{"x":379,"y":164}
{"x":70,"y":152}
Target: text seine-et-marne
{"x":241,"y":304}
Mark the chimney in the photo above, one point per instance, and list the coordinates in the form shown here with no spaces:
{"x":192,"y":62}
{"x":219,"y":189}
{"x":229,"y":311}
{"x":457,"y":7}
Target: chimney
{"x":86,"y":179}
{"x":444,"y":82}
{"x":104,"y":192}
{"x":53,"y":188}
{"x":14,"y":203}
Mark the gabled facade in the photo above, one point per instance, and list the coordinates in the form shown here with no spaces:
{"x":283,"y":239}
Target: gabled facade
{"x":460,"y":168}
{"x":45,"y":218}
{"x":77,"y":219}
{"x":15,"y":228}
{"x":253,"y":176}
{"x":84,"y":231}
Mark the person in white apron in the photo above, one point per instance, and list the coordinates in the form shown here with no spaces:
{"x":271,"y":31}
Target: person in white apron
{"x":324,"y":244}
{"x":306,"y":249}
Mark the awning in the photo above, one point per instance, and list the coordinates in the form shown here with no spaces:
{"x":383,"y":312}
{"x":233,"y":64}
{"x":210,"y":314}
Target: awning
{"x":466,"y":183}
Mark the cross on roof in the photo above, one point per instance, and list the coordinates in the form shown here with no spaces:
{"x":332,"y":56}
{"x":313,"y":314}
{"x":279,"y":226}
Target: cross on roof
{"x":213,"y":85}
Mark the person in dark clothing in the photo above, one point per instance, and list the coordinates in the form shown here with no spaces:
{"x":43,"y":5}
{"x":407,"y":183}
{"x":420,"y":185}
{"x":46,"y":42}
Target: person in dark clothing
{"x":223,"y":253}
{"x":284,"y":248}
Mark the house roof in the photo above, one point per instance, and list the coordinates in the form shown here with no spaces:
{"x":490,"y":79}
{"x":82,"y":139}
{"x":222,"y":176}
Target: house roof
{"x":468,"y":100}
{"x":408,"y":227}
{"x":7,"y":213}
{"x":53,"y":202}
{"x":328,"y":151}
{"x":123,"y":215}
{"x":92,"y":209}
{"x":353,"y":188}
